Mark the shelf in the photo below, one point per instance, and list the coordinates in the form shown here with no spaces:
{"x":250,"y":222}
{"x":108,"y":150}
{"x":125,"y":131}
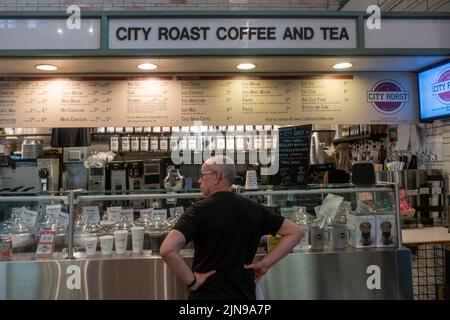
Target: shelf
{"x":25,"y":135}
{"x":361,"y":137}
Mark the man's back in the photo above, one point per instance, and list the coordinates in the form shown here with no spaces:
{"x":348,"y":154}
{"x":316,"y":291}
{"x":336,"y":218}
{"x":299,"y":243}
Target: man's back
{"x":226,"y":229}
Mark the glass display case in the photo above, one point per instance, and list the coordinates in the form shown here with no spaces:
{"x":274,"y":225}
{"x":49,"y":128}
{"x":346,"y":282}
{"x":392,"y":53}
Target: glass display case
{"x":122,"y":231}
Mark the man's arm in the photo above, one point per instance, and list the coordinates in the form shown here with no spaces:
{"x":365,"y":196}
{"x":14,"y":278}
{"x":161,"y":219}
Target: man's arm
{"x":291,"y":235}
{"x":169,"y":251}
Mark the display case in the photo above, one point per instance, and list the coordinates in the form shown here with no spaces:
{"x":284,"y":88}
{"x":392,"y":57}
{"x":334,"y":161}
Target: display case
{"x":336,"y":269}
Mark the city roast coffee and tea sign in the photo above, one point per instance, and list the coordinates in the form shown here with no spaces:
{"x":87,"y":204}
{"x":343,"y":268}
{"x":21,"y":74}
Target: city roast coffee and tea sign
{"x":231,"y":33}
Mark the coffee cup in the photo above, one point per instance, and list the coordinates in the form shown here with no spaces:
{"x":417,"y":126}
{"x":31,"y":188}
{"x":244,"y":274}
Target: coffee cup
{"x":90,"y":244}
{"x":120,"y":241}
{"x":106,"y":244}
{"x":137,"y":238}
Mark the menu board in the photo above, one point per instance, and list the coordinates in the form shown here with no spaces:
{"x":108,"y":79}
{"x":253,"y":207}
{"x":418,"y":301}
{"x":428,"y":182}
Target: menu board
{"x":180,"y":101}
{"x":294,"y":145}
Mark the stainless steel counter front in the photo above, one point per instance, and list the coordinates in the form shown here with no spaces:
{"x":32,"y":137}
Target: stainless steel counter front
{"x":351,"y":274}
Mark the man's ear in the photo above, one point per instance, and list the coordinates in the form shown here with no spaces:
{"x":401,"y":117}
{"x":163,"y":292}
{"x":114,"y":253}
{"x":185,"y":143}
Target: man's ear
{"x":218,"y":178}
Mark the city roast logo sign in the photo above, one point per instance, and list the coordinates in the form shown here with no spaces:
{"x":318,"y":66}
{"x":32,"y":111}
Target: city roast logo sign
{"x":441,"y":89}
{"x":387,"y":96}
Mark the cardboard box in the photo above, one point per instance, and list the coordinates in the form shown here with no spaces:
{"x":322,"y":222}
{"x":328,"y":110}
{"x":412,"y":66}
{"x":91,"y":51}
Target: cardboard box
{"x":362,"y":230}
{"x":386,"y":230}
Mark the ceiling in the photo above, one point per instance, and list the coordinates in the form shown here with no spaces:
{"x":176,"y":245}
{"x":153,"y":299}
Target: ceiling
{"x":293,"y":64}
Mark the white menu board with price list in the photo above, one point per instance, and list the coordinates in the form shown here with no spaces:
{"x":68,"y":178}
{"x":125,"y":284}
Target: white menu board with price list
{"x":179,"y":101}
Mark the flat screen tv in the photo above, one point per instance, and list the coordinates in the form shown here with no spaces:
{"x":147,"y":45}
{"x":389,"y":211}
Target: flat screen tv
{"x":434,"y":92}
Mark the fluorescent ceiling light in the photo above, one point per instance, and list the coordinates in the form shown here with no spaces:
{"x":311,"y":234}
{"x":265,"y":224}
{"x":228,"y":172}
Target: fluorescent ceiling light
{"x":343,"y":65}
{"x":245,"y":66}
{"x":147,"y":66}
{"x":46,"y":67}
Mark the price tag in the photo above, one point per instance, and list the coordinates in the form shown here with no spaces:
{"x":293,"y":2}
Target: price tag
{"x":413,"y":192}
{"x":129,"y":129}
{"x":424,"y":190}
{"x":128,"y":213}
{"x":156,"y":129}
{"x":29,"y":217}
{"x":165,"y":129}
{"x":63,"y":218}
{"x":239,"y":128}
{"x":160,"y":214}
{"x":113,"y":213}
{"x":175,"y":129}
{"x":147,"y":213}
{"x":91,"y":214}
{"x":51,"y":210}
{"x":437,"y":190}
{"x":176,"y":212}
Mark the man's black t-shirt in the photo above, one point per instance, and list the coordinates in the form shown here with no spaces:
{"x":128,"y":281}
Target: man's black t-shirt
{"x":226,"y":229}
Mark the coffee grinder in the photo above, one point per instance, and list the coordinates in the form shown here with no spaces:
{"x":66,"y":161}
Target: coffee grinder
{"x":135,"y":172}
{"x":48,"y":172}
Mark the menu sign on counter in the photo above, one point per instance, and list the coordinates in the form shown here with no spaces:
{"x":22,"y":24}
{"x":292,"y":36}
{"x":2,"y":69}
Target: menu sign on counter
{"x":294,"y":147}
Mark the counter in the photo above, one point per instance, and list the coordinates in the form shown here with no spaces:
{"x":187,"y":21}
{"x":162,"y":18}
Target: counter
{"x":426,"y":235}
{"x":350,"y":274}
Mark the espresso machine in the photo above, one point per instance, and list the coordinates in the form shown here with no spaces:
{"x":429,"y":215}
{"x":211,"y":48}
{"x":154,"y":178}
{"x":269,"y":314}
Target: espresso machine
{"x":117,"y":175}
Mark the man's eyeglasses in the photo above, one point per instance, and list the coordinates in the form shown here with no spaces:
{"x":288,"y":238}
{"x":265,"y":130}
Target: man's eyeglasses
{"x":203,"y":173}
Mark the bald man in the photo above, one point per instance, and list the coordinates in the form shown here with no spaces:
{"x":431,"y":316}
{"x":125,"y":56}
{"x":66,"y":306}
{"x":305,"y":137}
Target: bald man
{"x":226,"y":229}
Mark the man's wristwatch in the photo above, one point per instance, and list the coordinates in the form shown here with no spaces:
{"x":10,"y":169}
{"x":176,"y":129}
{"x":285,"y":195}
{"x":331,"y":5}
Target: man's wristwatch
{"x":190,"y":285}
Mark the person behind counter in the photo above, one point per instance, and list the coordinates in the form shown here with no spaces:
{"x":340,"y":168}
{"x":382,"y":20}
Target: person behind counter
{"x":343,"y":165}
{"x":226,"y":229}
